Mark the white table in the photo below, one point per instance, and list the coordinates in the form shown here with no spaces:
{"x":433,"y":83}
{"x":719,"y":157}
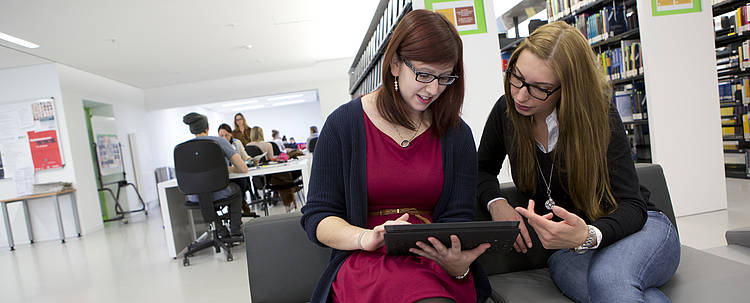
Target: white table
{"x":174,"y":214}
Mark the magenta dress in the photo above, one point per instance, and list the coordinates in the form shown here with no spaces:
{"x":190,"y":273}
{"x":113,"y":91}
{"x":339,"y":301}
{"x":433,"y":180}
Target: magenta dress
{"x":399,"y":178}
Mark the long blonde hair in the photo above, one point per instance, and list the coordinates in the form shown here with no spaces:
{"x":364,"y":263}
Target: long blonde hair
{"x":583,"y":117}
{"x":256,"y":134}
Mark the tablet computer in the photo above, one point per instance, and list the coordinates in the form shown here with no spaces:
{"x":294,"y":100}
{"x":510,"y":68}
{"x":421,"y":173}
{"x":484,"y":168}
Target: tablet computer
{"x":500,"y":234}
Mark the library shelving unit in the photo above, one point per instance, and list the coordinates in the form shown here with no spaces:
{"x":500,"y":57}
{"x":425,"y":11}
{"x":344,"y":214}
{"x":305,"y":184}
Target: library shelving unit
{"x":613,"y":32}
{"x":364,"y":74}
{"x":732,"y":28}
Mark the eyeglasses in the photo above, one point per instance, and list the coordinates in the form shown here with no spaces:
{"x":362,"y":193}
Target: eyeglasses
{"x":427,"y":77}
{"x":535,"y":91}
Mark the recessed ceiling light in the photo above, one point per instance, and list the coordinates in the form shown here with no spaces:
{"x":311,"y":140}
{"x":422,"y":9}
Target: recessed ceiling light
{"x":17,"y":40}
{"x":249,"y":46}
{"x":240,"y":102}
{"x":249,"y":107}
{"x":289,"y":102}
{"x":285,"y":97}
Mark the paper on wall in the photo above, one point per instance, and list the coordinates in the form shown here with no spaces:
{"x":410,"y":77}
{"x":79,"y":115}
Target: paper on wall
{"x":24,"y":179}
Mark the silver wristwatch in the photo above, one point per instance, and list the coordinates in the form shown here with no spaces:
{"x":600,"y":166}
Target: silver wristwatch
{"x":589,"y":242}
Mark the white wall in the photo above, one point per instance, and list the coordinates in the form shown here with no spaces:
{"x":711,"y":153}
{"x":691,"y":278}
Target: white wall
{"x":484,"y":79}
{"x":34,"y":82}
{"x":684,"y":120}
{"x":128,"y":110}
{"x":169,"y":130}
{"x":292,"y":121}
{"x":330,"y":78}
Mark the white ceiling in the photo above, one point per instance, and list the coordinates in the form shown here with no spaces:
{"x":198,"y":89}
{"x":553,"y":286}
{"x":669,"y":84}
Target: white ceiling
{"x":155,"y":43}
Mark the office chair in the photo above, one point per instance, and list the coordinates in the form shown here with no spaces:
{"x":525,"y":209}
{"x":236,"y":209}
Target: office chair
{"x":313,"y":142}
{"x":201,"y":169}
{"x":276,"y":150}
{"x":253,"y":150}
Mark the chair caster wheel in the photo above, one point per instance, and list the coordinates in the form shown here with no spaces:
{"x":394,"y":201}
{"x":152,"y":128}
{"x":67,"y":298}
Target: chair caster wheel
{"x":230,"y":259}
{"x":186,"y":262}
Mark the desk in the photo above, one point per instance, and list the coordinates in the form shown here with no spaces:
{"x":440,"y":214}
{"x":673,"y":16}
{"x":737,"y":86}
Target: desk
{"x":25,"y":199}
{"x":174,"y":214}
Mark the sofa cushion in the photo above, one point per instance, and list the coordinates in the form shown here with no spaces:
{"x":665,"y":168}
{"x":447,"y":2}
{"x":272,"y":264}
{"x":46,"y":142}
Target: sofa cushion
{"x":701,"y":277}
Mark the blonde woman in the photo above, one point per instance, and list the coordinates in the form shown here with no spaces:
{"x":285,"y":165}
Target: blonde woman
{"x":287,"y":194}
{"x":569,"y":154}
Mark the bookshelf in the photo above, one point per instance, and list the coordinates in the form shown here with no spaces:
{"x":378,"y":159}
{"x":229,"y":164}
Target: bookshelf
{"x":732,"y":42}
{"x":364,"y":74}
{"x":613,"y":32}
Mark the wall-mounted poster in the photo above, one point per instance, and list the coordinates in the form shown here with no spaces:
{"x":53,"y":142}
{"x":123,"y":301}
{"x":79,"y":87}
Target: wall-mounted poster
{"x":673,"y":7}
{"x":466,"y":15}
{"x":29,"y":136}
{"x":45,"y":149}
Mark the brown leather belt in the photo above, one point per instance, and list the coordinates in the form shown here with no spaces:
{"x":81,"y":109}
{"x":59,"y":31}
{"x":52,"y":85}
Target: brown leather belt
{"x":412,"y":211}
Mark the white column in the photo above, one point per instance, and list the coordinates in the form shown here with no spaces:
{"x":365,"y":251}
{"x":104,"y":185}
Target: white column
{"x":679,"y":62}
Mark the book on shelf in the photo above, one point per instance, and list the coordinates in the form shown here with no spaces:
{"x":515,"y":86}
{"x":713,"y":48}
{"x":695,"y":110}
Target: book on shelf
{"x":746,"y":126}
{"x":742,"y":19}
{"x":624,"y":103}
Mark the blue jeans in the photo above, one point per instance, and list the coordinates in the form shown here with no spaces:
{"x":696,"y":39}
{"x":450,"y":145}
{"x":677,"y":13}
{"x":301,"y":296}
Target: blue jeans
{"x":628,"y":270}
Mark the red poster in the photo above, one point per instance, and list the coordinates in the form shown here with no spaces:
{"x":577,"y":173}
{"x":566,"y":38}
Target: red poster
{"x":45,"y":150}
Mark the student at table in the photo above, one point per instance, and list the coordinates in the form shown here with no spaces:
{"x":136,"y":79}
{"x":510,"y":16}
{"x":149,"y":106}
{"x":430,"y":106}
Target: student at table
{"x":199,"y":127}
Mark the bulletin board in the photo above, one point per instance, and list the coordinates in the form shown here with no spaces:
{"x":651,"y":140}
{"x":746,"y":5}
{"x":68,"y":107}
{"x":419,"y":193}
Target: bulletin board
{"x":29,"y":136}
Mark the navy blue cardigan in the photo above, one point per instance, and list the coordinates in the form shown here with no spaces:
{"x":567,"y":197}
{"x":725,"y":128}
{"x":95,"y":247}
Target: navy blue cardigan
{"x":338,"y":185}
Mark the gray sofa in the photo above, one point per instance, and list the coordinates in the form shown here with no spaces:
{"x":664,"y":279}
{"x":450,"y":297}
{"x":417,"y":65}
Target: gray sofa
{"x":283,"y":265}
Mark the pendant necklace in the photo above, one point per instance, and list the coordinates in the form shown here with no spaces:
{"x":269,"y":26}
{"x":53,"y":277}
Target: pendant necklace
{"x":549,"y":203}
{"x":406,"y":143}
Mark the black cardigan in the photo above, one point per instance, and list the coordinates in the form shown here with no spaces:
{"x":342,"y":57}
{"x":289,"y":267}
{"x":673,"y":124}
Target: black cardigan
{"x":338,"y":185}
{"x":630,"y":215}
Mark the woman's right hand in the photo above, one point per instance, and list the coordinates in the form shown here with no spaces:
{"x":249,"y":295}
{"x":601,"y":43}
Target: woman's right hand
{"x":373,"y":239}
{"x":502,"y":211}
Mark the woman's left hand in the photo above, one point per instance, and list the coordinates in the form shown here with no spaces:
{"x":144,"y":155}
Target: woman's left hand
{"x":571,"y":232}
{"x":453,"y":260}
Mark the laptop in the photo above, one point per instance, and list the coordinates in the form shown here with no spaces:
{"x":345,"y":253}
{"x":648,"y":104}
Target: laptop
{"x":500,"y":234}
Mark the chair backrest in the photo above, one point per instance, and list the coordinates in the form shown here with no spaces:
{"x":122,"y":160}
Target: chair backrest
{"x":200,"y":167}
{"x":283,"y":265}
{"x":253,"y":150}
{"x":313,"y":142}
{"x":290,"y":145}
{"x":276,"y":150}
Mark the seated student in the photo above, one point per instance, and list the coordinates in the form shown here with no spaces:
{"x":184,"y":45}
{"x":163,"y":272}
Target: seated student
{"x":244,"y":183}
{"x":199,"y":127}
{"x":225,"y":131}
{"x":276,"y":139}
{"x":400,"y":155}
{"x":313,"y":134}
{"x":287,"y":194}
{"x":569,"y":153}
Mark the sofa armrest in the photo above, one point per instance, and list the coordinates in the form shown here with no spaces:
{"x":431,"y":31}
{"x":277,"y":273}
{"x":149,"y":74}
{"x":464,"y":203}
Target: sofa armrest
{"x":739,"y":236}
{"x":282,"y":264}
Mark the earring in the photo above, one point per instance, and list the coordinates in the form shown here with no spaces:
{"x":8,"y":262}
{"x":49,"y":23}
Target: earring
{"x":395,"y":83}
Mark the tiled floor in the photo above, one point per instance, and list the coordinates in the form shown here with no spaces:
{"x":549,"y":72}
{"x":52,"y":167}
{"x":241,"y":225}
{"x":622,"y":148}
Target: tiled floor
{"x":129,"y":263}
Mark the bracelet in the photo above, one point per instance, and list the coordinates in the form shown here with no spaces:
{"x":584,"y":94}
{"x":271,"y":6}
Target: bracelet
{"x":586,"y":244}
{"x":359,"y":239}
{"x":464,"y":275}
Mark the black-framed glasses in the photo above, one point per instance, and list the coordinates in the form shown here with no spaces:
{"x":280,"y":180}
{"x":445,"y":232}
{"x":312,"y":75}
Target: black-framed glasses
{"x":535,"y":91}
{"x":428,"y":78}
